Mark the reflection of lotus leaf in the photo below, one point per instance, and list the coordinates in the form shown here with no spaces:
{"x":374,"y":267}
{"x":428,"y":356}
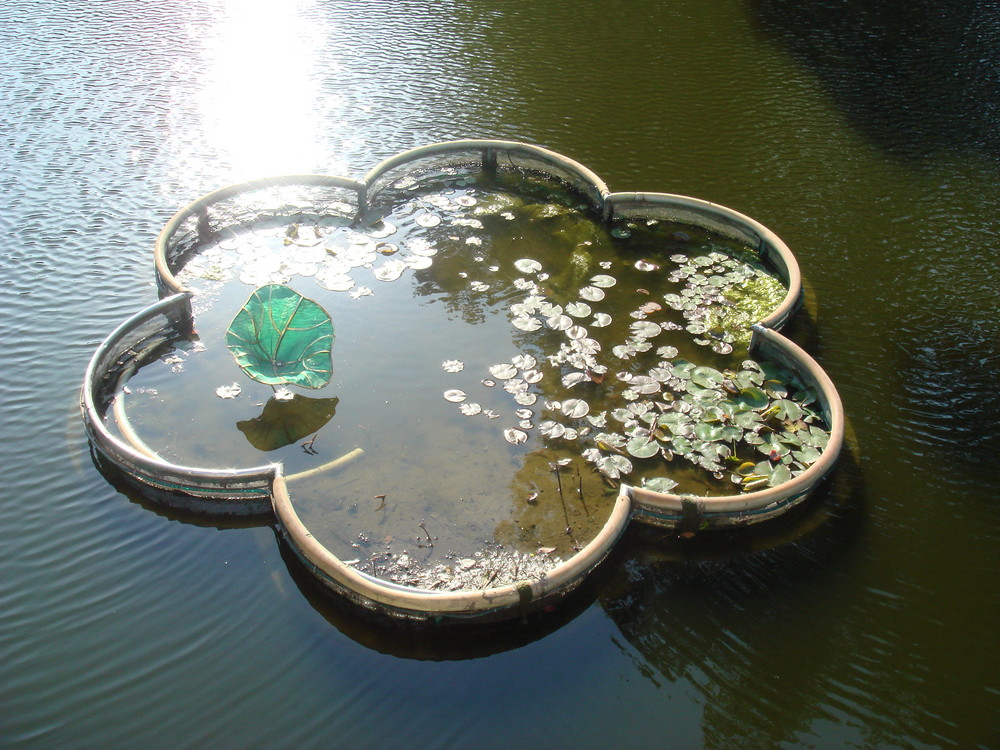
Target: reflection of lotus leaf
{"x":281,"y":337}
{"x":284,"y":422}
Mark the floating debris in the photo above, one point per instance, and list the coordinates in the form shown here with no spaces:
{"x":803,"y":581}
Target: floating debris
{"x":228,"y":391}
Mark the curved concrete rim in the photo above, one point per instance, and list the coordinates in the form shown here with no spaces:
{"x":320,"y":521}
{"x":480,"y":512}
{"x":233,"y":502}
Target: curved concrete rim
{"x":560,"y":579}
{"x":166,"y":278}
{"x":777,"y":252}
{"x":668,"y":504}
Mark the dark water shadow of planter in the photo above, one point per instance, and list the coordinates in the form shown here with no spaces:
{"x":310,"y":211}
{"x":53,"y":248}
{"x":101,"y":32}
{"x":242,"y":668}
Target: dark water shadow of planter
{"x":735,"y":600}
{"x":450,"y":640}
{"x":179,"y":506}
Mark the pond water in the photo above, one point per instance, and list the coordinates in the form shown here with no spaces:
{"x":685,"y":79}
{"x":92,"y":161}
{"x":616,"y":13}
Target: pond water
{"x":570,"y":378}
{"x":866,"y":140}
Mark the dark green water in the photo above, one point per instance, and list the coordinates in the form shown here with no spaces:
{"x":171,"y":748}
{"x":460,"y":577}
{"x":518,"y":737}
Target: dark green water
{"x":865,"y":139}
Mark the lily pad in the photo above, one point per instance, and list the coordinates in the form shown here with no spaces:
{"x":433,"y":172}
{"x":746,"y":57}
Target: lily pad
{"x":659,"y":484}
{"x":575,"y":408}
{"x":643,"y":447}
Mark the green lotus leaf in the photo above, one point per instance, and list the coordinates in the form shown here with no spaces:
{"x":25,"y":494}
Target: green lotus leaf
{"x":707,"y":431}
{"x":747,"y":419}
{"x":792,"y":439}
{"x":772,"y":446}
{"x":806,"y":396}
{"x":730,"y":433}
{"x":774,"y":371}
{"x":622,"y":415}
{"x":703,"y":396}
{"x":807,"y":456}
{"x":748,"y":378}
{"x":775,"y":388}
{"x":280,"y":337}
{"x":614,"y":466}
{"x":788,"y":409}
{"x":683,"y":368}
{"x":682,"y":446}
{"x":817,"y":437}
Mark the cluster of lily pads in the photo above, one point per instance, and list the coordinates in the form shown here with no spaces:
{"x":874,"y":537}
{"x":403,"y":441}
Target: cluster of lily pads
{"x":613,"y":384}
{"x":757,"y":423}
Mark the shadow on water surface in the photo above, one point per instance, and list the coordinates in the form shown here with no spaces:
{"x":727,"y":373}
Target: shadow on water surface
{"x":744,"y":615}
{"x":949,"y":403}
{"x":432,"y":642}
{"x":164,"y":503}
{"x":916,"y":79}
{"x":646,"y":565}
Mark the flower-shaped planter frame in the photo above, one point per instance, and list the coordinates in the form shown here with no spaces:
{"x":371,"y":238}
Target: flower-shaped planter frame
{"x":263,"y":490}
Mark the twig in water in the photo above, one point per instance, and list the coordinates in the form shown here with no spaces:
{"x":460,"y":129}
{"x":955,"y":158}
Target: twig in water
{"x":579,"y":489}
{"x":382,"y":504}
{"x":430,"y":542}
{"x":555,"y":468}
{"x":307,"y":446}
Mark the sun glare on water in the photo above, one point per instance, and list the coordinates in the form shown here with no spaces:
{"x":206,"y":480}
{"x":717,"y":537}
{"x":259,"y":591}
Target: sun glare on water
{"x":261,"y":102}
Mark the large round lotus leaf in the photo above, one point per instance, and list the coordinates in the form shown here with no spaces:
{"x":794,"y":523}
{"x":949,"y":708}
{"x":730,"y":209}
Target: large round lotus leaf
{"x":707,"y":431}
{"x":280,"y":337}
{"x":747,"y":419}
{"x":779,"y":475}
{"x":730,"y":433}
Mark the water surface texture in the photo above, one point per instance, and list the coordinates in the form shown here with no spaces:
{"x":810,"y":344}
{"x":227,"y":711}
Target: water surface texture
{"x":865,"y":139}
